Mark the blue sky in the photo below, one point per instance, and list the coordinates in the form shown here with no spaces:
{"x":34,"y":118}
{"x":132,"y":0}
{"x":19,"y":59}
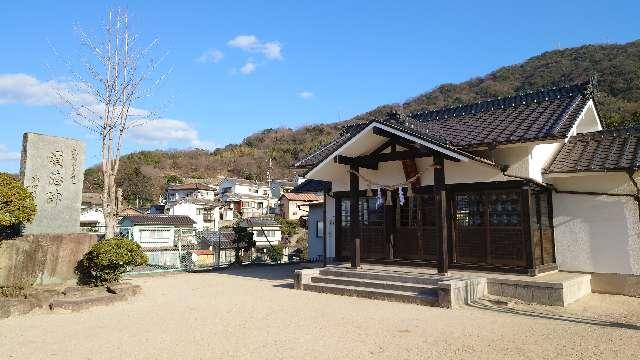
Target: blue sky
{"x":241,"y":66}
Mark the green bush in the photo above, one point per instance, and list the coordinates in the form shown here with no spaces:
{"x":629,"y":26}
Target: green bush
{"x":107,"y":260}
{"x":275,"y":253}
{"x":288,"y":227}
{"x":17,"y":206}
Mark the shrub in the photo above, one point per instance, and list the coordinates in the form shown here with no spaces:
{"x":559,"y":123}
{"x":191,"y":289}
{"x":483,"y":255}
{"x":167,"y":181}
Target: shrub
{"x":288,"y":227}
{"x":275,"y":253}
{"x":107,"y":260}
{"x":17,"y":206}
{"x":242,"y":241}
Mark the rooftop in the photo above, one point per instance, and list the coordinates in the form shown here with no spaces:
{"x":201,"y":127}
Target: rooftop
{"x":605,"y":150}
{"x":192,"y":186}
{"x":158,"y":219}
{"x":258,"y":221}
{"x":543,"y":114}
{"x":309,"y":197}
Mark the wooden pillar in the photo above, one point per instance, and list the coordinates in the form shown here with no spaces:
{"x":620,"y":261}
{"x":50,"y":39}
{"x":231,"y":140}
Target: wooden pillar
{"x":354,"y":188}
{"x":440,"y":199}
{"x":389,"y":229}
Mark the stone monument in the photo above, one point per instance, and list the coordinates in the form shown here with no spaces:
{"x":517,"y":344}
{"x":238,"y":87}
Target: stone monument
{"x":52,"y":168}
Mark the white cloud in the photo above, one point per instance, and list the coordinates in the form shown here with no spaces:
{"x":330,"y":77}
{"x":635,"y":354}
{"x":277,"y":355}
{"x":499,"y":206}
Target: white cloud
{"x":7,"y":155}
{"x":26,"y":89}
{"x":271,"y":50}
{"x":248,"y":68}
{"x":164,"y":131}
{"x":306,"y":95}
{"x":210,"y":56}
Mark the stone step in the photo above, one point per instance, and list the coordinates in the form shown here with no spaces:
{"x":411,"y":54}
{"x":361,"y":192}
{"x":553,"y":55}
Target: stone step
{"x":374,"y":284}
{"x":428,"y":299}
{"x":408,"y":278}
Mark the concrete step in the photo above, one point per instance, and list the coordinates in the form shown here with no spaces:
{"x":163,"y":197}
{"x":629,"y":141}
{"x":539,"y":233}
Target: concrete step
{"x":373,"y":284}
{"x":429,"y":298}
{"x":407,"y":278}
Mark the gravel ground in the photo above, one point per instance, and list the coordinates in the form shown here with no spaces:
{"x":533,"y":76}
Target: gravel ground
{"x":253,"y":313}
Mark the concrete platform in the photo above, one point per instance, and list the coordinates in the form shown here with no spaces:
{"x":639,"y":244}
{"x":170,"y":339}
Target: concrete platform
{"x":456,"y":288}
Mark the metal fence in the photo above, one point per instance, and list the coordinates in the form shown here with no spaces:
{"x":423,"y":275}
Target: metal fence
{"x":207,"y":250}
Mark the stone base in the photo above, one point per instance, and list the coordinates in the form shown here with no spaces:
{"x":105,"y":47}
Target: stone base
{"x":555,"y":292}
{"x":616,"y":284}
{"x":42,"y":259}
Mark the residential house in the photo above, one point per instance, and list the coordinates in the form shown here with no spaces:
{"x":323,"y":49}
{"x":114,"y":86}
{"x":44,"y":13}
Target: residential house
{"x":279,"y":187}
{"x":247,"y":198}
{"x":266,"y":231}
{"x":207,"y":214}
{"x":315,"y":218}
{"x":155,"y":230}
{"x":295,"y":205}
{"x":91,"y":215}
{"x":178,"y":192}
{"x":527,"y":183}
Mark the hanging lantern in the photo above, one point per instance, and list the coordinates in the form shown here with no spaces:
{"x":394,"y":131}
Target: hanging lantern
{"x":410,"y":191}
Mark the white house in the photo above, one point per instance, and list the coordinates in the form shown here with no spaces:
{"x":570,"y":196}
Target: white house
{"x":91,"y":215}
{"x":527,"y":183}
{"x":248,"y":198}
{"x":266,"y":231}
{"x":158,"y":231}
{"x":178,"y":192}
{"x":279,"y":187}
{"x":207,"y":214}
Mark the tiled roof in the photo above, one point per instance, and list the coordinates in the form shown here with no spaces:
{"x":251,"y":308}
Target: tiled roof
{"x":605,"y":150}
{"x":222,"y":239}
{"x":301,"y":197}
{"x":258,"y":221}
{"x":196,"y":186}
{"x":533,"y":116}
{"x":311,"y":185}
{"x":158,"y":219}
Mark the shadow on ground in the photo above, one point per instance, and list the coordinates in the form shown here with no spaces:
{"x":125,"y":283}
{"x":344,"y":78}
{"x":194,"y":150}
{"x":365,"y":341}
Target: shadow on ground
{"x":281,"y":274}
{"x":552,"y":316}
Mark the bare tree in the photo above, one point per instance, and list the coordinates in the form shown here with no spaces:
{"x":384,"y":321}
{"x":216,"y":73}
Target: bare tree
{"x":114,"y":77}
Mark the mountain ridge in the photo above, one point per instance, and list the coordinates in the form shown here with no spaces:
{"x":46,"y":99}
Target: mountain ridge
{"x":617,"y":67}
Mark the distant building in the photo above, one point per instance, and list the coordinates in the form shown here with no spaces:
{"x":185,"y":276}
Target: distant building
{"x":266,"y":231}
{"x":246,"y":197}
{"x":279,"y":187}
{"x":295,"y":205}
{"x":207,"y":214}
{"x":178,"y":192}
{"x":91,"y":215}
{"x":157,"y":230}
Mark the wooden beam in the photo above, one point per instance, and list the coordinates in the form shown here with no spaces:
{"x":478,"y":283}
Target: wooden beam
{"x":358,"y":161}
{"x":354,"y":212}
{"x":440,"y":198}
{"x":399,"y":140}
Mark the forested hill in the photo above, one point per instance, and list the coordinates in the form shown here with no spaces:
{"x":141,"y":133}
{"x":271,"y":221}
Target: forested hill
{"x":617,"y":67}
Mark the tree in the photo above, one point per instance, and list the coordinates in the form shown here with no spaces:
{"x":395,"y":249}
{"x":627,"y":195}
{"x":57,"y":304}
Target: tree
{"x":114,"y":78}
{"x":243,"y":240}
{"x":17,"y":206}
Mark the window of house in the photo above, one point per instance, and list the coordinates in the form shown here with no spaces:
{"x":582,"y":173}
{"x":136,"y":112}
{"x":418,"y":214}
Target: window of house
{"x":319,"y":228}
{"x":260,"y":205}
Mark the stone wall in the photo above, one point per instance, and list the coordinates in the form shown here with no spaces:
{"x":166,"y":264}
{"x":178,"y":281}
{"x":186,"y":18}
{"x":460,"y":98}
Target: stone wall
{"x":42,"y":259}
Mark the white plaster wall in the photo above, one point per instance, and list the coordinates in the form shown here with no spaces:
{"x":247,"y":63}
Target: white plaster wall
{"x":189,"y":210}
{"x":541,"y":156}
{"x":588,"y":120}
{"x":596,"y":233}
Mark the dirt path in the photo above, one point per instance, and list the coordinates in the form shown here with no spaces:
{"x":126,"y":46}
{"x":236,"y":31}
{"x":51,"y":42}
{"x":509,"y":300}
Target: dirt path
{"x":254,"y":314}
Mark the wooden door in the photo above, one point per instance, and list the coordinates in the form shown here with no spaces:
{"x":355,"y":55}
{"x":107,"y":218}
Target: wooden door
{"x":415,"y":239}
